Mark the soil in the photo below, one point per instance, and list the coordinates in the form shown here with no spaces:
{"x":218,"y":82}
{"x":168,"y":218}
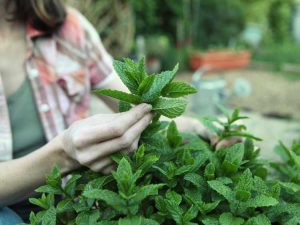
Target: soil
{"x":271,"y":93}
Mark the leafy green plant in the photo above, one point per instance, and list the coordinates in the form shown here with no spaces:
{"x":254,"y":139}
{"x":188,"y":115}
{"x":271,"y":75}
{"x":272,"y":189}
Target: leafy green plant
{"x":173,"y":177}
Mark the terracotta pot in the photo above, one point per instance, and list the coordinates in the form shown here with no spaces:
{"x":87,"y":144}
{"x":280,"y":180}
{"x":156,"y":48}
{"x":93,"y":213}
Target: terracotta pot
{"x":220,"y":60}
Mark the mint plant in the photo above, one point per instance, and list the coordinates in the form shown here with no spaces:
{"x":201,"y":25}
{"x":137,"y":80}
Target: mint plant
{"x":158,"y":90}
{"x":173,"y":177}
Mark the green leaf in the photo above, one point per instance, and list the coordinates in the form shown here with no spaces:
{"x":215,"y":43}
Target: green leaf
{"x":241,"y":134}
{"x":160,"y":81}
{"x":291,"y":187}
{"x":224,"y":111}
{"x":210,"y":221}
{"x":208,"y":207}
{"x":109,"y":197}
{"x":135,"y":70}
{"x":146,"y":84}
{"x":209,"y":171}
{"x":244,"y":186}
{"x":88,"y":218}
{"x":97,"y":183}
{"x":195,"y":179}
{"x":261,"y":201}
{"x":174,"y":197}
{"x":70,"y":187}
{"x":54,"y":179}
{"x":136,"y":220}
{"x":178,"y":89}
{"x":127,"y":79}
{"x":174,"y":210}
{"x":45,"y":202}
{"x":249,"y":149}
{"x":233,"y":158}
{"x":120,"y":95}
{"x":223,"y":190}
{"x":170,"y":108}
{"x":33,"y":219}
{"x":64,"y":205}
{"x":293,"y":156}
{"x":124,"y":106}
{"x":190,"y":214}
{"x":145,"y":191}
{"x":261,"y":219}
{"x":49,"y":217}
{"x":125,"y":178}
{"x":173,"y":135}
{"x":209,"y":122}
{"x":229,"y":219}
{"x":49,"y":189}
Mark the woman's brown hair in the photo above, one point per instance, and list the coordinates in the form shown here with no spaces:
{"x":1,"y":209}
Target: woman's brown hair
{"x":44,"y":15}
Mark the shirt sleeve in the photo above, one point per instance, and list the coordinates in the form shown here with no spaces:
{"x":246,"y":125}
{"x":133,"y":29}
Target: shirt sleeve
{"x":99,"y":61}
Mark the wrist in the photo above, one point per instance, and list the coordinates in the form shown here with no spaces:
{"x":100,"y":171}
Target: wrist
{"x":63,"y":160}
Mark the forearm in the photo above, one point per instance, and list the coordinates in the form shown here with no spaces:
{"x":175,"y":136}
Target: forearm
{"x":21,"y":176}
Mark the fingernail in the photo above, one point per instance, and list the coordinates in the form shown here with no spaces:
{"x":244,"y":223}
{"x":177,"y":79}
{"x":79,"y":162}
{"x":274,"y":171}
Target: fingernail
{"x":148,"y":107}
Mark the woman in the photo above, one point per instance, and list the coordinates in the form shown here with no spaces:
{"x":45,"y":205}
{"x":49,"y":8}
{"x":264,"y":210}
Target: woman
{"x":50,"y":58}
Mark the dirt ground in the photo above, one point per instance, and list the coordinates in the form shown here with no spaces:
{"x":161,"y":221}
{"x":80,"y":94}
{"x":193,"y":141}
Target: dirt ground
{"x":270,"y":94}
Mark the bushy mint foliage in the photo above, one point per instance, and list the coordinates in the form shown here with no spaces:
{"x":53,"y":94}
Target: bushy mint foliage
{"x":173,"y":177}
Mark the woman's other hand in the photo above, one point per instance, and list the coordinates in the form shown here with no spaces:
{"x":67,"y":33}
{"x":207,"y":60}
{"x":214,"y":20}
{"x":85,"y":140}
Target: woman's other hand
{"x":189,"y":124}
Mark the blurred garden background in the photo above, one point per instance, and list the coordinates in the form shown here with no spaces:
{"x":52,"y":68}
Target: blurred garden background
{"x":239,"y":53}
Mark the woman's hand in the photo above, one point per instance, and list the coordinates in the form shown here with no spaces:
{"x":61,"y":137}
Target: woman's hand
{"x":189,"y":124}
{"x":91,"y":141}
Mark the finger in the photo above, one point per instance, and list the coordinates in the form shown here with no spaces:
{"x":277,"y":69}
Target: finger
{"x":128,"y":119}
{"x":214,"y":140}
{"x":98,"y":165}
{"x":134,"y":146}
{"x":109,"y":169}
{"x":228,"y":142}
{"x":106,"y":148}
{"x":115,"y":128}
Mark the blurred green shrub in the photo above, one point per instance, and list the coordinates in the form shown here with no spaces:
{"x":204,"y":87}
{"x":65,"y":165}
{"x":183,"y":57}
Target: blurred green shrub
{"x":280,"y":17}
{"x":208,"y":23}
{"x":220,"y":23}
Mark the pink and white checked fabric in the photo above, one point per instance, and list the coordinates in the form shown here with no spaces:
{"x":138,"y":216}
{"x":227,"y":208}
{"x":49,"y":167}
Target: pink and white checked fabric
{"x":62,"y":69}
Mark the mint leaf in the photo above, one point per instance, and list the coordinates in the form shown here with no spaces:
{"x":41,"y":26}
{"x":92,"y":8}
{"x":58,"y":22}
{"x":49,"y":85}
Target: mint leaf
{"x":124,"y":106}
{"x":109,"y":197}
{"x":136,"y":71}
{"x":120,"y":95}
{"x":125,"y":76}
{"x":229,"y":219}
{"x":223,"y":190}
{"x":170,"y":108}
{"x":160,"y":81}
{"x":209,"y":171}
{"x":261,"y":201}
{"x":49,"y":217}
{"x":173,"y":135}
{"x":233,"y":158}
{"x":178,"y":89}
{"x":90,"y":217}
{"x":146,"y":84}
{"x":145,"y":191}
{"x":259,"y":220}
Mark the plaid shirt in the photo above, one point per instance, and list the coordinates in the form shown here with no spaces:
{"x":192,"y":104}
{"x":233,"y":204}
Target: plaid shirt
{"x":62,"y":69}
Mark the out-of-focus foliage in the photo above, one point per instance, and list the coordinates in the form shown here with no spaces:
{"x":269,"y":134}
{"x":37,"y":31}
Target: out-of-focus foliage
{"x":114,"y":21}
{"x":220,"y":22}
{"x":280,"y":18}
{"x":206,"y":22}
